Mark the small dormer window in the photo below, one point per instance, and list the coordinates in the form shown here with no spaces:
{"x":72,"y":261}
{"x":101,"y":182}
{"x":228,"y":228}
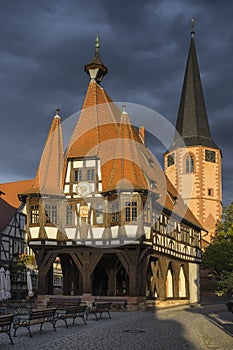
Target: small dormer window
{"x":78,"y":175}
{"x":90,"y":174}
{"x":84,"y":174}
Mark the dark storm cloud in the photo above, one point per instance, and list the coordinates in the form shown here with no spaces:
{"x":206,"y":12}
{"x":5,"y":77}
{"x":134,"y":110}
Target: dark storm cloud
{"x":45,"y":45}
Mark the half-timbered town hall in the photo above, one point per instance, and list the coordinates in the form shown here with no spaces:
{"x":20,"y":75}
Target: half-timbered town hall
{"x":104,"y":208}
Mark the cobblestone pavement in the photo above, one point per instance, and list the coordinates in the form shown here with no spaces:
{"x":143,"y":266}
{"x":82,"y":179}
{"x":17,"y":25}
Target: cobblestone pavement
{"x":178,"y":328}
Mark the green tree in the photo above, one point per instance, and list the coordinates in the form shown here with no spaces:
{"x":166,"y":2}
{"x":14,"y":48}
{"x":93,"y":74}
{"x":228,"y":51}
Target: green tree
{"x":224,"y":229}
{"x":218,"y":257}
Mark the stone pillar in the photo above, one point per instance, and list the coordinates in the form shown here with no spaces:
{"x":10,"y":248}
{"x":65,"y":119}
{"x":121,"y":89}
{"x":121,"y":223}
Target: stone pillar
{"x":133,"y":280}
{"x":162,"y":289}
{"x":163,"y":267}
{"x":176,"y":277}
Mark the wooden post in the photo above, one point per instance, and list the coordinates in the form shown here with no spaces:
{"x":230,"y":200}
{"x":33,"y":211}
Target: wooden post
{"x":112,"y":282}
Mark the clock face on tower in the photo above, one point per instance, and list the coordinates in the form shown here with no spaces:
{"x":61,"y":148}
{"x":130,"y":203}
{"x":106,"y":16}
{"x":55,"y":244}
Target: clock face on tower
{"x":83,"y":189}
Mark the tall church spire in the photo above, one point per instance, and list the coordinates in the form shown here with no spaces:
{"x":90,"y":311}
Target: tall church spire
{"x":193,"y":162}
{"x":192,"y":121}
{"x":96,"y":69}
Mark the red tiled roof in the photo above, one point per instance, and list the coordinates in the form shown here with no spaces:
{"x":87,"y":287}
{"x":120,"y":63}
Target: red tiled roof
{"x":124,"y":169}
{"x":49,"y":174}
{"x":9,"y":201}
{"x":97,"y":123}
{"x":12,"y":189}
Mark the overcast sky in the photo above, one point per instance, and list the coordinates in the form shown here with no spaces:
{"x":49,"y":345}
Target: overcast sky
{"x":44,"y":46}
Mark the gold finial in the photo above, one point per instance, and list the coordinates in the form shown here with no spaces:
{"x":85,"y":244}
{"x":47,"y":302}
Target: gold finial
{"x":97,"y":43}
{"x":124,"y":109}
{"x":57,"y":111}
{"x":193,"y":26}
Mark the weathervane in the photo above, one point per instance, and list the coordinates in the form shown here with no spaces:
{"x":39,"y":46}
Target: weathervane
{"x":193,"y":26}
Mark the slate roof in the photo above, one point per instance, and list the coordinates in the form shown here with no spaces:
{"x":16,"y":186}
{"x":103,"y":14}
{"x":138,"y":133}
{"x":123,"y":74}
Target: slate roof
{"x":192,"y":121}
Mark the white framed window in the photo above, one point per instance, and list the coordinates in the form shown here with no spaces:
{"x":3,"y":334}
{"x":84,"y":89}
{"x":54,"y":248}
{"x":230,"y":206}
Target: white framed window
{"x":51,"y":213}
{"x":69,"y":215}
{"x":34,"y":214}
{"x":189,"y":164}
{"x":131,"y":211}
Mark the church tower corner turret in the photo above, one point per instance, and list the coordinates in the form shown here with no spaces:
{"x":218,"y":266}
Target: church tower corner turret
{"x":193,"y":162}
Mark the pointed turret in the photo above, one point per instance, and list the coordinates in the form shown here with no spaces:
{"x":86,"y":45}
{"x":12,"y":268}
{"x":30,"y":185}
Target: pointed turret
{"x":124,"y":168}
{"x":48,"y":178}
{"x":192,"y":121}
{"x":96,"y":69}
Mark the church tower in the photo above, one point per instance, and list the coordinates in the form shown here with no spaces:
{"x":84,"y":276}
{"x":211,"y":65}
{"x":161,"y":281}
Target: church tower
{"x":193,"y":162}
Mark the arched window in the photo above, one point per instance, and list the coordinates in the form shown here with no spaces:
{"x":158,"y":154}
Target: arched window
{"x":189,"y":164}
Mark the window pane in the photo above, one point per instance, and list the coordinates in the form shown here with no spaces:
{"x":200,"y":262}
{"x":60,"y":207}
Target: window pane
{"x":69,"y":215}
{"x":99,"y":213}
{"x":90,"y":174}
{"x":78,"y":175}
{"x":127,"y":214}
{"x":34,"y":214}
{"x":115,"y":212}
{"x":51,"y":214}
{"x":134,"y":214}
{"x":130,"y":211}
{"x":189,"y":164}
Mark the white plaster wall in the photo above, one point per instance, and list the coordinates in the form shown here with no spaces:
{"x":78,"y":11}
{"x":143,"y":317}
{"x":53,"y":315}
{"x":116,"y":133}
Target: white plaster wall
{"x":169,"y":284}
{"x":78,"y":164}
{"x":182,"y":289}
{"x":51,"y":232}
{"x":34,"y":231}
{"x":90,"y":163}
{"x":68,"y":173}
{"x":97,"y":232}
{"x":194,"y":283}
{"x":131,"y":230}
{"x":70,"y":232}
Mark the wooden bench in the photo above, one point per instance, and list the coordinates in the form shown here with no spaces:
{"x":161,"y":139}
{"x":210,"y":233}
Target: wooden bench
{"x":116,"y":303}
{"x":5,"y":325}
{"x":63,"y":302}
{"x":18,"y":309}
{"x":35,"y":317}
{"x":73,"y":312}
{"x":99,"y":308}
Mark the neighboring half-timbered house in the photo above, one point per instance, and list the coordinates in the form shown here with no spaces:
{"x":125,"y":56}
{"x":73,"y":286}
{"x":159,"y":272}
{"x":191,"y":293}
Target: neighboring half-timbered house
{"x":12,"y":221}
